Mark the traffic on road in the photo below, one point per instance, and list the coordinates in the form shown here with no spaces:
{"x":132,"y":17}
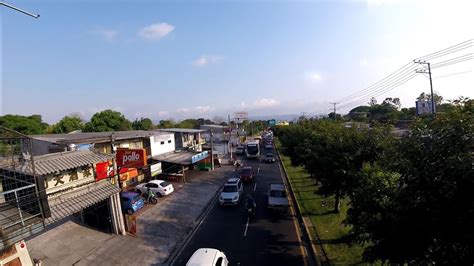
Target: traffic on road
{"x":243,"y":224}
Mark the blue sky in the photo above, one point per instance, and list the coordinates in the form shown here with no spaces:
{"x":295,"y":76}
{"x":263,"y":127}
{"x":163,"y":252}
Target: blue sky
{"x":168,"y":59}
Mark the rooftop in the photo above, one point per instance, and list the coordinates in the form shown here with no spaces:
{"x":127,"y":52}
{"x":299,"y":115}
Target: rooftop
{"x":182,"y":130}
{"x":87,"y":137}
{"x":60,"y":161}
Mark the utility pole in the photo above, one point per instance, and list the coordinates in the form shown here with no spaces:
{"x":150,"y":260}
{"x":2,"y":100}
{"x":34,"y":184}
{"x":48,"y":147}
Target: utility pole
{"x":20,"y":10}
{"x":334,"y":104}
{"x":433,"y":110}
{"x":212,"y":149}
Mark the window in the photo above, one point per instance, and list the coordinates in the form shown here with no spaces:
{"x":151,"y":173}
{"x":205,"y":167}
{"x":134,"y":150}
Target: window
{"x":169,"y":141}
{"x":219,"y":261}
{"x":162,"y":143}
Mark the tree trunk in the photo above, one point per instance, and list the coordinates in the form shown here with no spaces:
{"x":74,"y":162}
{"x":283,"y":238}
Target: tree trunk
{"x":337,"y":204}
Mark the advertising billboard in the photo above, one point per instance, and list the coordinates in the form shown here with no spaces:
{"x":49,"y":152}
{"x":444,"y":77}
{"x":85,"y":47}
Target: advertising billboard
{"x":155,"y":169}
{"x":239,"y":117}
{"x":131,"y":157}
{"x":104,"y":170}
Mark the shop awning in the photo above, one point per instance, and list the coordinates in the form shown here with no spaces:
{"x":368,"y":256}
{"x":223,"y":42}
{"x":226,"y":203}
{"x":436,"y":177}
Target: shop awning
{"x":79,"y":199}
{"x":183,"y":157}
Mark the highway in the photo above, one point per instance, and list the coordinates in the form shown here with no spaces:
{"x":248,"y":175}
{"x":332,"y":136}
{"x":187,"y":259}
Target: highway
{"x":268,"y":239}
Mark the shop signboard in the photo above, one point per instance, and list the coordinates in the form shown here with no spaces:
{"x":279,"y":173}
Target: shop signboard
{"x":197,"y":157}
{"x":104,"y":170}
{"x":131,"y":157}
{"x":128,"y":173}
{"x":155,"y":169}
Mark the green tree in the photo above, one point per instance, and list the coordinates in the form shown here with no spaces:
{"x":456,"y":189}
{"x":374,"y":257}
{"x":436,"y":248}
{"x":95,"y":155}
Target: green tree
{"x":421,"y":211}
{"x":142,"y":124}
{"x":167,"y":124}
{"x":188,"y":123}
{"x":108,"y":120}
{"x":68,"y":124}
{"x":24,"y":124}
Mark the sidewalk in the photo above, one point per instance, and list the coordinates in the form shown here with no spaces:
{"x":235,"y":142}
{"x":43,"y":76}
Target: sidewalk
{"x":159,"y":229}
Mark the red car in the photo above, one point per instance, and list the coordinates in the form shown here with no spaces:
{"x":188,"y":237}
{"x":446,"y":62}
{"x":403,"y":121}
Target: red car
{"x":247,"y":174}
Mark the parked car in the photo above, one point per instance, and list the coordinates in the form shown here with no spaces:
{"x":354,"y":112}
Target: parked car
{"x":131,"y":202}
{"x":208,"y":257}
{"x":159,"y":187}
{"x":269,"y":158}
{"x":247,"y":174}
{"x":277,"y":199}
{"x":239,"y":150}
{"x":232,"y":192}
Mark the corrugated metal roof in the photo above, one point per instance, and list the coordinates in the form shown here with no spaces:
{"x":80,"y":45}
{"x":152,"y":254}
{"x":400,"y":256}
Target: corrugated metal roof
{"x":96,"y":136}
{"x":61,"y":161}
{"x":182,"y":130}
{"x":183,"y":157}
{"x":73,"y":202}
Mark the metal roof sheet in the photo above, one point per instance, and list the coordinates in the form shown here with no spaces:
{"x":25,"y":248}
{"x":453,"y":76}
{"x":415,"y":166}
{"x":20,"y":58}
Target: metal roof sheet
{"x":60,"y":161}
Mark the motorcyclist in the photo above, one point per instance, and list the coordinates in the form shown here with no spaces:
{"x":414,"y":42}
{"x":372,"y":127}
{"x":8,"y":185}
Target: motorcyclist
{"x":251,"y":206}
{"x":149,"y":194}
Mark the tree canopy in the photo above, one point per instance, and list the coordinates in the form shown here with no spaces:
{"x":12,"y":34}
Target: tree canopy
{"x":107,"y":120}
{"x":142,"y":124}
{"x":28,"y":125}
{"x":68,"y":124}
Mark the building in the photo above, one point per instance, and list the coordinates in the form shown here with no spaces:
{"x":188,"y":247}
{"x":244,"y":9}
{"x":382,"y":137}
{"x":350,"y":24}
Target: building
{"x":145,"y":144}
{"x":186,"y":139}
{"x":221,"y":137}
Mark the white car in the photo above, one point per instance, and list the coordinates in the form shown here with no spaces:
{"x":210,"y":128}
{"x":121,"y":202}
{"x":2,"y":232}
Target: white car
{"x":231,"y":194}
{"x":208,"y":257}
{"x":159,"y":187}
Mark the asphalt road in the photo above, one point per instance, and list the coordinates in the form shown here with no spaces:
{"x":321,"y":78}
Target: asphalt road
{"x":269,"y":239}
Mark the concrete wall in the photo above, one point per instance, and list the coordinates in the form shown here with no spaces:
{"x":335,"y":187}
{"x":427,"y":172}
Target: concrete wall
{"x":162,"y":144}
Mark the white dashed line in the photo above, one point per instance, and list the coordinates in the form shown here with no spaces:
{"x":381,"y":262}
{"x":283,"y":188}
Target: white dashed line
{"x":255,"y":187}
{"x":246,"y":227}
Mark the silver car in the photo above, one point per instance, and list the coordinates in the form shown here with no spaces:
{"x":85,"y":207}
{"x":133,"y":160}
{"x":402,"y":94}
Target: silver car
{"x":231,"y":194}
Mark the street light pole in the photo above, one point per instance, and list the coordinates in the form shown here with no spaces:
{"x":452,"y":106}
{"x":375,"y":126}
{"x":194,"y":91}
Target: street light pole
{"x":212,"y":150}
{"x":20,"y":10}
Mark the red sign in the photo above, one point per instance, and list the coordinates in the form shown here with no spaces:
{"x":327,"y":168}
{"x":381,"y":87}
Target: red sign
{"x":128,"y":173}
{"x":104,"y":170}
{"x":131,"y":157}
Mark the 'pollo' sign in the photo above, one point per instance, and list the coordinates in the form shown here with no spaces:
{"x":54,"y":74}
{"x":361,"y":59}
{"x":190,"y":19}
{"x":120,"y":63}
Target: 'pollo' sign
{"x":131,"y":157}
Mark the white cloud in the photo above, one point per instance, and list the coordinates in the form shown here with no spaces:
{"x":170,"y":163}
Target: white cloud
{"x":107,"y":34}
{"x":156,"y":31}
{"x":182,"y":110}
{"x":204,"y":60}
{"x":314,"y":76}
{"x":204,"y":109}
{"x":163,"y":113}
{"x":265,"y":102}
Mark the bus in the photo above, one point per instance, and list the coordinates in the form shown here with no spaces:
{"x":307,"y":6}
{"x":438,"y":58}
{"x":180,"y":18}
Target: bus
{"x":252,"y":150}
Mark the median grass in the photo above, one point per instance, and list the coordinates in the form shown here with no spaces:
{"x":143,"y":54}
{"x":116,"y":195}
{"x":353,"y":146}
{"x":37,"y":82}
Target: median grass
{"x":320,"y":209}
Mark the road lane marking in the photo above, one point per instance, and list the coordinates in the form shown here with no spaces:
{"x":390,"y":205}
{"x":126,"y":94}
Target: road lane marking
{"x":258,"y":171}
{"x":255,"y":187}
{"x":246,"y":227}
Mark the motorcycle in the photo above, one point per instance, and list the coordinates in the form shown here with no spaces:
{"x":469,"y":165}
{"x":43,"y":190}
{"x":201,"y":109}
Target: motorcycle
{"x":251,"y":208}
{"x":150,"y":198}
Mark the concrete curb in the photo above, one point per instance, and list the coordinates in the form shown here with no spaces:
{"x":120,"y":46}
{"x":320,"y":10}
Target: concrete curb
{"x":316,"y":251}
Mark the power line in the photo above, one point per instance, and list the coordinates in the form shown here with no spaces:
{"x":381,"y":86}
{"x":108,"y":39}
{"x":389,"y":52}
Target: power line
{"x":397,"y":72}
{"x":452,"y":74}
{"x":407,"y":73}
{"x":454,"y":48}
{"x":393,"y":86}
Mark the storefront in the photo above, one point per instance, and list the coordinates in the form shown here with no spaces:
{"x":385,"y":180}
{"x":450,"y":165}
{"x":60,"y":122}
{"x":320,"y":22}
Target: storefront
{"x":175,"y":164}
{"x":77,"y":183}
{"x":132,"y":167}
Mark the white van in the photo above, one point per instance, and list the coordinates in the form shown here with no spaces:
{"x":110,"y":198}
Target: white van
{"x":208,"y":257}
